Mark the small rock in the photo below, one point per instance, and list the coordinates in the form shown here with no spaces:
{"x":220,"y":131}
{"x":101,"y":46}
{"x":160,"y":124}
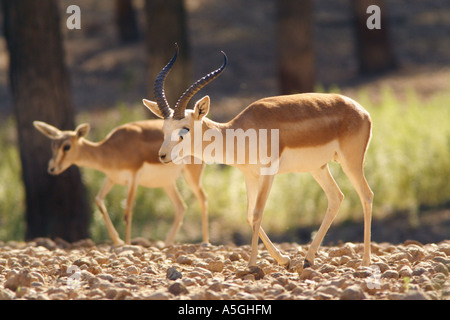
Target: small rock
{"x":234,"y":256}
{"x":173,"y":274}
{"x":45,"y":242}
{"x":111,"y":293}
{"x":132,"y":270}
{"x":178,"y":288}
{"x":158,"y":295}
{"x":327,"y":268}
{"x":445,"y":248}
{"x":405,"y":271}
{"x":18,"y":279}
{"x":353,"y":292}
{"x":418,"y":271}
{"x":415,"y":295}
{"x":105,"y":276}
{"x":141,"y":242}
{"x":440,"y":267}
{"x":342,"y":251}
{"x":330,"y":290}
{"x":58,"y":296}
{"x":256,"y":271}
{"x":211,"y":295}
{"x":82,"y":261}
{"x":86,"y":275}
{"x":122,"y":294}
{"x":383,"y":266}
{"x":390,"y":274}
{"x":309,"y":274}
{"x":6,"y":294}
{"x":343,"y":260}
{"x":363,"y":272}
{"x":184,"y":259}
{"x":134,"y":249}
{"x":217,"y":287}
{"x":84,"y":243}
{"x":415,"y":252}
{"x":216,"y":266}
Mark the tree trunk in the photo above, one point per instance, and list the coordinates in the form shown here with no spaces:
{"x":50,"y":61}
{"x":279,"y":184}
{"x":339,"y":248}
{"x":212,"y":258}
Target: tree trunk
{"x":55,"y":206}
{"x":295,"y":46}
{"x":166,"y":25}
{"x":373,"y":45}
{"x":126,"y":21}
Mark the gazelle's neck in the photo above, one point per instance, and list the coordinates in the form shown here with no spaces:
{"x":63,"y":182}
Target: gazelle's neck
{"x":230,"y":144}
{"x":212,"y":137}
{"x":90,"y":155}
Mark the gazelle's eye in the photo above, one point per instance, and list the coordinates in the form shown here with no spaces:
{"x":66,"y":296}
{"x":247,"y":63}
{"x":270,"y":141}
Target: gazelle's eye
{"x":183,"y":132}
{"x":66,"y":147}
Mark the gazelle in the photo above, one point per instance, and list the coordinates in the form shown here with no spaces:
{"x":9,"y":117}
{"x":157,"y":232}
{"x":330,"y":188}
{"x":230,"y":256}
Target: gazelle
{"x":313,"y":129}
{"x":128,"y":156}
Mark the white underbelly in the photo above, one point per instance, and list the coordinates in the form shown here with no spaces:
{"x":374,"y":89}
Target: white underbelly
{"x":150,"y":175}
{"x":307,"y":159}
{"x":158,"y":175}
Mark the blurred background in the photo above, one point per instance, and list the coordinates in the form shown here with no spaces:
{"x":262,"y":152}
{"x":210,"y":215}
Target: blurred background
{"x":100,"y":73}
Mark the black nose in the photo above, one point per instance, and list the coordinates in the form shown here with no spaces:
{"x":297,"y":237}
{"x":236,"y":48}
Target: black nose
{"x":162,"y":157}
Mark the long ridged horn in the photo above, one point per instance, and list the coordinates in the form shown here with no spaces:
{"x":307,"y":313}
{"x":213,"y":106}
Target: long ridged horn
{"x":180,"y":107}
{"x":158,"y":87}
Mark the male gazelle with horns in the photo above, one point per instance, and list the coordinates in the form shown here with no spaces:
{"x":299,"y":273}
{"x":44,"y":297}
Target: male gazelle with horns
{"x":128,"y":156}
{"x":313,"y":129}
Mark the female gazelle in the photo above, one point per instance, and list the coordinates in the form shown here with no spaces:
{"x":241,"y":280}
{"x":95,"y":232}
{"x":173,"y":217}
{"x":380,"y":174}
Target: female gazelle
{"x":128,"y":156}
{"x":312,"y":129}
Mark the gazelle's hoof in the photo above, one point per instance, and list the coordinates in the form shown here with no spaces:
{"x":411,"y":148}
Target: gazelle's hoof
{"x":307,"y":264}
{"x":286,"y":264}
{"x":118,"y":242}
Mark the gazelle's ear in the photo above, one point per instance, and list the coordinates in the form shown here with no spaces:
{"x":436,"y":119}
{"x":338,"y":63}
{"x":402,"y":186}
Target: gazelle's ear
{"x":201,"y":108}
{"x":82,"y":130}
{"x":153,"y":107}
{"x":47,"y":130}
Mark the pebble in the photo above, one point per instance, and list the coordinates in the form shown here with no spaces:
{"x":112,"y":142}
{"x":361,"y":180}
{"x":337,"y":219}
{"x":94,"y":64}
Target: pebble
{"x":39,"y":270}
{"x":177,"y":288}
{"x":353,"y":292}
{"x":173,"y":274}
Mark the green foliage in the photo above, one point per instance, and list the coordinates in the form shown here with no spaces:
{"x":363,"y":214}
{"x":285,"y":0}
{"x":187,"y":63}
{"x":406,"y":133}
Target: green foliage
{"x":11,"y":189}
{"x":407,"y":166}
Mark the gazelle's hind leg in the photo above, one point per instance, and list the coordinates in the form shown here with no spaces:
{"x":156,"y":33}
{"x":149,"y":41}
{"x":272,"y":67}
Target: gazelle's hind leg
{"x":193,"y":175}
{"x":99,"y":200}
{"x":335,"y":197}
{"x":351,"y":159}
{"x":356,"y":175}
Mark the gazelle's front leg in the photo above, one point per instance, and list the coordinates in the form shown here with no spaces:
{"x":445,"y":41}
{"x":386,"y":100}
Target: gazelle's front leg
{"x":193,"y":174}
{"x":132,"y":187}
{"x":99,"y":200}
{"x":258,"y":189}
{"x":180,"y":209}
{"x":335,"y":198}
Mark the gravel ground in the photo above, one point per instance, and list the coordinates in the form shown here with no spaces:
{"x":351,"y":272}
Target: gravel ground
{"x":56,"y":270}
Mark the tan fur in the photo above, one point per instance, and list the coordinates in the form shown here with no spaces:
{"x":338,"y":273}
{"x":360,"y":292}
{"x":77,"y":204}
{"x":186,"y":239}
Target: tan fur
{"x":128,"y":156}
{"x":304,"y":120}
{"x":313,"y":129}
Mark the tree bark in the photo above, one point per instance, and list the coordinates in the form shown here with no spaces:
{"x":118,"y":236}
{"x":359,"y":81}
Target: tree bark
{"x":295,"y":46}
{"x":126,"y":21}
{"x":166,"y":25}
{"x":39,"y":80}
{"x":374,"y":47}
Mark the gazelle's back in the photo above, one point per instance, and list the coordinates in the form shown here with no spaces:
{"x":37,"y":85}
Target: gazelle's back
{"x":305,"y":120}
